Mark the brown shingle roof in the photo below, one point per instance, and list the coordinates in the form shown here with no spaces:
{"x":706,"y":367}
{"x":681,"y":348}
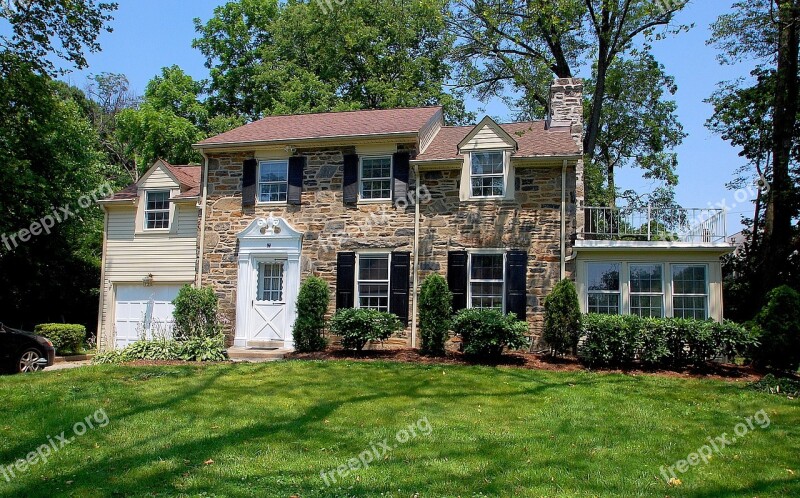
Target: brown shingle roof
{"x":188,"y":177}
{"x":533,"y":139}
{"x":328,"y":125}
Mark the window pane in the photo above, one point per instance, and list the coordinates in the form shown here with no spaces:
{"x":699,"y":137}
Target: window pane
{"x":689,"y":307}
{"x":157,"y":200}
{"x":373,"y":268}
{"x":646,"y":278}
{"x":158,"y":219}
{"x":486,"y":186}
{"x":271,"y":282}
{"x":603,"y":276}
{"x":689,"y":279}
{"x":376,"y":189}
{"x":373,"y":296}
{"x":376,"y":167}
{"x":274,"y":171}
{"x":647,"y":306}
{"x":273,"y":192}
{"x":487,"y":267}
{"x":605,"y":303}
{"x":487,"y":163}
{"x":487,"y":295}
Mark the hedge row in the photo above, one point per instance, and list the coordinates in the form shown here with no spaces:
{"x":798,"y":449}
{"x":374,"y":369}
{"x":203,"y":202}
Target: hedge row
{"x":66,"y":338}
{"x":619,"y":340}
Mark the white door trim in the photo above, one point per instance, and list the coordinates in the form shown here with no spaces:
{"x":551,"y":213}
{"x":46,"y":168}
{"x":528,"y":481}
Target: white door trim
{"x":270,"y":238}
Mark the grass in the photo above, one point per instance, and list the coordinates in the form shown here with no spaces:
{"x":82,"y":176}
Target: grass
{"x":271,"y":429}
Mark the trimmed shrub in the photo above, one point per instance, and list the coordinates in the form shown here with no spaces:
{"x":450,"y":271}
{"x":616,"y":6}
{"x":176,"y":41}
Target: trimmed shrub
{"x":610,"y":340}
{"x":312,"y":304}
{"x":357,"y":326}
{"x":195,"y":313}
{"x":617,"y":340}
{"x":435,"y":312}
{"x":777,"y":327}
{"x":562,"y":318}
{"x":66,"y":338}
{"x":486,"y":332}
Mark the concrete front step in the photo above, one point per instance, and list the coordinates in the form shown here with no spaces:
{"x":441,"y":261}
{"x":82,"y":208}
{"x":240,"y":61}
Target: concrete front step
{"x":264,"y":344}
{"x":257,"y":354}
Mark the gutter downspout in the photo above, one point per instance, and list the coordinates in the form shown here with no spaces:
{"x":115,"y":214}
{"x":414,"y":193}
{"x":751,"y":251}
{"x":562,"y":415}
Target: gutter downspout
{"x":563,"y":247}
{"x":101,"y":310}
{"x":415,"y":307}
{"x":201,"y":245}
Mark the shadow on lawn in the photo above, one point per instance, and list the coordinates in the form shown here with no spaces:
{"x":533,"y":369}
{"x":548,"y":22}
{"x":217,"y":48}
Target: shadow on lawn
{"x":501,"y":465}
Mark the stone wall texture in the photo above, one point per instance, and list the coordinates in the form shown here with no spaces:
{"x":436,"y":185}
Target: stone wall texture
{"x":531,"y":222}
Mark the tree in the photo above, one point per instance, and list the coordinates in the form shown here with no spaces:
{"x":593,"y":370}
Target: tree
{"x":171,"y":117}
{"x":268,"y":58}
{"x":62,"y":28}
{"x":767,"y":31}
{"x":521,"y":45}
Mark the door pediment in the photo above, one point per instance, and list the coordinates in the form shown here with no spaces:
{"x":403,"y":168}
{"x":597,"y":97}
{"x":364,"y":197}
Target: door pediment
{"x":270,"y":234}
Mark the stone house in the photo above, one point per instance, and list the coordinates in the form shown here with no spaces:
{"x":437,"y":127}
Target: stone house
{"x":373,"y":201}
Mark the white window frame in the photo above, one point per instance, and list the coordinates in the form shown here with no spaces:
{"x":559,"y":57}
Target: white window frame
{"x":631,"y":293}
{"x":619,"y":292}
{"x":265,"y":162}
{"x":471,"y":255}
{"x":166,"y":210}
{"x":260,"y":276}
{"x":359,"y":281}
{"x":361,"y":178}
{"x":502,"y":175}
{"x":705,"y":295}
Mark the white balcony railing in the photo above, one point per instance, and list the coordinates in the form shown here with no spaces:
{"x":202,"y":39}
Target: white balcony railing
{"x":694,"y":225}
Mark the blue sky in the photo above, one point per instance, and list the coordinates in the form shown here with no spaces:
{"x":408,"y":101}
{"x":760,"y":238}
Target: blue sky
{"x":151,"y":34}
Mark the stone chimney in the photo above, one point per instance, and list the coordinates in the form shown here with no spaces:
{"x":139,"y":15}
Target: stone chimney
{"x":566,"y":106}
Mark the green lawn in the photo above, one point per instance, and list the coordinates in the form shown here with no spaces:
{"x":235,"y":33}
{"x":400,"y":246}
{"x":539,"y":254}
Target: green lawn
{"x":272,"y":429}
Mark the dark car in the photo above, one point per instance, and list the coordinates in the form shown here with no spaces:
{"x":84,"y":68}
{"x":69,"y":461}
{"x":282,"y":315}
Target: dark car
{"x":22,"y":351}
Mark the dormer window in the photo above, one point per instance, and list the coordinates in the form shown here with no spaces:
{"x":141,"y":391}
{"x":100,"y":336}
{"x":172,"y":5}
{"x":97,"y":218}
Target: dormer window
{"x":487,"y":176}
{"x":156,"y":212}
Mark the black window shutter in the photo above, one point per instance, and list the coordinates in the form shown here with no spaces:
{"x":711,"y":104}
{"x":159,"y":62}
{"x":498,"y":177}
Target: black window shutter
{"x":345,"y":279}
{"x":398,"y":291}
{"x":296,"y":165}
{"x":350,"y":187}
{"x":516,"y":283}
{"x":249,"y":182}
{"x":457,"y":278}
{"x":400,"y":166}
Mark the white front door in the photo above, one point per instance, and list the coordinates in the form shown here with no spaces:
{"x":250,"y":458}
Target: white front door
{"x":269,"y":306}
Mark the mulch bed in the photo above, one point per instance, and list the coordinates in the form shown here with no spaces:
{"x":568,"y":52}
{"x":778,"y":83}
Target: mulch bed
{"x":530,"y":361}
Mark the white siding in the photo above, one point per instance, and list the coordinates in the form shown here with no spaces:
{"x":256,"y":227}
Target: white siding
{"x":486,"y":138}
{"x":158,"y":178}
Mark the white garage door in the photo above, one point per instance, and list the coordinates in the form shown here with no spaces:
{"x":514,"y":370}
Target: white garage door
{"x":143,"y":312}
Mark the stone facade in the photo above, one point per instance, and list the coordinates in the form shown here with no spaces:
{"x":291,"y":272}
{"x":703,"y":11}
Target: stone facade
{"x":530,"y":222}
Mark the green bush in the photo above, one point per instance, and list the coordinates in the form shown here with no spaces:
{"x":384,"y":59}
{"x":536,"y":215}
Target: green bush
{"x":610,"y":340}
{"x":562,"y":318}
{"x":486,"y":332}
{"x":435,"y":311}
{"x":777,"y":327}
{"x":312,"y":304}
{"x":357,"y":326}
{"x":209,"y":348}
{"x":66,"y":338}
{"x":195,"y":313}
{"x":617,"y":340}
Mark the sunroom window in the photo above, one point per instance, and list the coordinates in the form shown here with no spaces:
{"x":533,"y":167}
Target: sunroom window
{"x":689,"y":291}
{"x":487,"y":174}
{"x":604,"y":288}
{"x":646,"y":290}
{"x":486,"y":281}
{"x":156,"y":211}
